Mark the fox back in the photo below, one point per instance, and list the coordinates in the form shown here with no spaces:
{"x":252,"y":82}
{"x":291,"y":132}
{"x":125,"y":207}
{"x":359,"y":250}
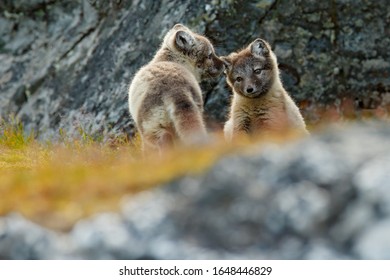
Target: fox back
{"x":165,"y":99}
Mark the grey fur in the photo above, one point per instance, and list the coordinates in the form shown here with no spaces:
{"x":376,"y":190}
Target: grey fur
{"x":165,"y":99}
{"x":258,"y":94}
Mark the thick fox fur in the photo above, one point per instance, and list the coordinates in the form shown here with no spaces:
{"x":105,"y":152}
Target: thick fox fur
{"x":260,"y":104}
{"x":165,"y":99}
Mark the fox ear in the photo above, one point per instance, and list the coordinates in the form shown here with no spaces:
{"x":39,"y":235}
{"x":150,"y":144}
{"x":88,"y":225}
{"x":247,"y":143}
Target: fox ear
{"x":227,"y":62}
{"x":178,"y":26}
{"x":259,"y":47}
{"x":184,"y":41}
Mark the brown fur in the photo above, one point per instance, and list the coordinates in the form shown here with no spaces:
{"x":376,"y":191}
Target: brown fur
{"x":165,"y":99}
{"x":260,"y":104}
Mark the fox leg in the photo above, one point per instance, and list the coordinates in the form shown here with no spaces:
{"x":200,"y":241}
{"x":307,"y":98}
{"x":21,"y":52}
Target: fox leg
{"x":237,"y":127}
{"x":157,"y":143}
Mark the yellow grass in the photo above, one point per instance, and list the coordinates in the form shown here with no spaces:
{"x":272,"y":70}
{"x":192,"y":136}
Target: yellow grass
{"x":58,"y":184}
{"x":55,"y":185}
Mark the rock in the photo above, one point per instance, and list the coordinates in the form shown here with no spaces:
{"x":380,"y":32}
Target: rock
{"x":105,"y":233}
{"x":83,"y":54}
{"x":323,"y":197}
{"x":22,"y":239}
{"x":374,"y":243}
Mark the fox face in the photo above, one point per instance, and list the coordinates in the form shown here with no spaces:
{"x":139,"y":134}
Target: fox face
{"x":251,"y":72}
{"x":196,"y":50}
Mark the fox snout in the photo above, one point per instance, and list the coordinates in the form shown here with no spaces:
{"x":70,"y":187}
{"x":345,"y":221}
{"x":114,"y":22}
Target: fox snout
{"x":249,"y":89}
{"x":217,"y":68}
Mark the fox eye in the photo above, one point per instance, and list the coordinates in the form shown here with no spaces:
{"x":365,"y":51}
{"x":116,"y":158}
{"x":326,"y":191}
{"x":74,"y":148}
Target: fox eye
{"x":257,"y":71}
{"x":210,"y":56}
{"x":238,"y":79}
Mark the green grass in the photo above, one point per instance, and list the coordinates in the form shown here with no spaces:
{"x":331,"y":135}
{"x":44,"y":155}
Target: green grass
{"x":12,"y":134}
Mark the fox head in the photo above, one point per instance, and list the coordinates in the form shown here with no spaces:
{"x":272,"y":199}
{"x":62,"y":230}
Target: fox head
{"x":194,"y":49}
{"x":252,"y":71}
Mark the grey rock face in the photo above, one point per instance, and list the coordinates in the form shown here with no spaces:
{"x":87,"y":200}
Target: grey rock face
{"x":21,"y":239}
{"x":67,"y":64}
{"x":324,"y":197}
{"x":374,"y":243}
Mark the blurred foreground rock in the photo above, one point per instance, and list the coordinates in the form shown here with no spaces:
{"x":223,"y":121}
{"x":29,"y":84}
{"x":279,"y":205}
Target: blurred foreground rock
{"x":324,"y":197}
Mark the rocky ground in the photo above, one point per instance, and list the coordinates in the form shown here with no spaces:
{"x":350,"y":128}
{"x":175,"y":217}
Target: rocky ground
{"x":324,"y":197}
{"x":66,"y":65}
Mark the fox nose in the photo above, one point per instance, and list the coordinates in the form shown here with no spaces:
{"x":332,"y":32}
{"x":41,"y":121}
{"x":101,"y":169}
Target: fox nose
{"x":249,"y":89}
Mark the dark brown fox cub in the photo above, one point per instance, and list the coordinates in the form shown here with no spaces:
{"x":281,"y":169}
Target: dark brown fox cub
{"x":165,"y":99}
{"x":260,"y":103}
